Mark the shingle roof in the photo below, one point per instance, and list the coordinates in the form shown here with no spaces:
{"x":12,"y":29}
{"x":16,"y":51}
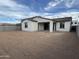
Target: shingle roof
{"x":55,"y":19}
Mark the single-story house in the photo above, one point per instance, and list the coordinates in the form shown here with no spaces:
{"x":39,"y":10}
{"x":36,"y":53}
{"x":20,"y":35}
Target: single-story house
{"x":39,"y":23}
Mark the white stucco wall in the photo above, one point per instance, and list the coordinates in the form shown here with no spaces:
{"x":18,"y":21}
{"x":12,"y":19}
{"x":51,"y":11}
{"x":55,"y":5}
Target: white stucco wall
{"x":32,"y":26}
{"x":67,"y":27}
{"x":78,"y":31}
{"x":41,"y":27}
{"x":75,"y":21}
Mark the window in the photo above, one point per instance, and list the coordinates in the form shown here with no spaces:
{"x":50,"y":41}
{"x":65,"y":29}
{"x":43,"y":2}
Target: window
{"x":62,"y":25}
{"x":71,"y":22}
{"x":75,"y":22}
{"x":26,"y":25}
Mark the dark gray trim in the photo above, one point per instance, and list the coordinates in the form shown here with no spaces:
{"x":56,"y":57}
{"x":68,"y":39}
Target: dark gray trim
{"x":29,"y":19}
{"x":55,"y":19}
{"x":62,"y":19}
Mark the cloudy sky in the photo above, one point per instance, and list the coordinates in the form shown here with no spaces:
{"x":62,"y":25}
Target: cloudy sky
{"x":12,"y":10}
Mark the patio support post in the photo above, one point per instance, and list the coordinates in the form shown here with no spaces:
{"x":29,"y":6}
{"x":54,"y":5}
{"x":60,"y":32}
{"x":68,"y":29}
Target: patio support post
{"x":51,"y":26}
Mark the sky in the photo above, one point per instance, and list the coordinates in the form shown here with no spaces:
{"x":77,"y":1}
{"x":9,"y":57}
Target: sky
{"x":11,"y":11}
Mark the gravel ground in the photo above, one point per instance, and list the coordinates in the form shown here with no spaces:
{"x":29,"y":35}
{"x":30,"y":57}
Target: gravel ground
{"x":38,"y":45}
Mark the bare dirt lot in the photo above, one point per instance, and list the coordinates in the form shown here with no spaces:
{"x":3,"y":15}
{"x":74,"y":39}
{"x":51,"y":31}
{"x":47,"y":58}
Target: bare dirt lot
{"x":38,"y":45}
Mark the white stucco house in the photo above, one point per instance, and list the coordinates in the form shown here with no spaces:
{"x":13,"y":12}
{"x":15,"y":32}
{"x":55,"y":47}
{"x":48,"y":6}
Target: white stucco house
{"x":39,"y":23}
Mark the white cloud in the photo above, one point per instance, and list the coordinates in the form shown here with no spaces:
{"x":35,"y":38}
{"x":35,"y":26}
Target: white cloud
{"x":12,"y":4}
{"x":67,"y":14}
{"x":10,"y":8}
{"x":12,"y":14}
{"x":31,"y":14}
{"x":52,"y":4}
{"x":67,"y":3}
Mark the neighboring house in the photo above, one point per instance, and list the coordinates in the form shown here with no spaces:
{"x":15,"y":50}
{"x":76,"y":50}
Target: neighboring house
{"x":39,"y":23}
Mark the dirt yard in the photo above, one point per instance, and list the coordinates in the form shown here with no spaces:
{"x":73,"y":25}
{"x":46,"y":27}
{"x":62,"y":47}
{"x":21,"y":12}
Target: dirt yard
{"x":38,"y":45}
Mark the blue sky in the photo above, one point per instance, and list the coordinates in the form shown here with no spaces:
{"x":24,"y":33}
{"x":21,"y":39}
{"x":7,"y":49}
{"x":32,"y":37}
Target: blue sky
{"x":13,"y":10}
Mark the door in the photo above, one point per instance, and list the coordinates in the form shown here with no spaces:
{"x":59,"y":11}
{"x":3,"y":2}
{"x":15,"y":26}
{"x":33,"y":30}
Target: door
{"x":46,"y":26}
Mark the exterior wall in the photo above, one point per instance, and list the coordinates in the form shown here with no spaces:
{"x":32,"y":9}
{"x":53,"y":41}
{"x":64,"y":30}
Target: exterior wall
{"x":41,"y":26}
{"x":67,"y":27}
{"x":8,"y":28}
{"x":75,"y":21}
{"x":32,"y":26}
{"x":78,"y":31}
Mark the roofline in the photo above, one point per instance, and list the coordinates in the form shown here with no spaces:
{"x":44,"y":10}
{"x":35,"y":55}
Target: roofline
{"x":61,"y":19}
{"x":28,"y":20}
{"x":33,"y":18}
{"x":55,"y":19}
